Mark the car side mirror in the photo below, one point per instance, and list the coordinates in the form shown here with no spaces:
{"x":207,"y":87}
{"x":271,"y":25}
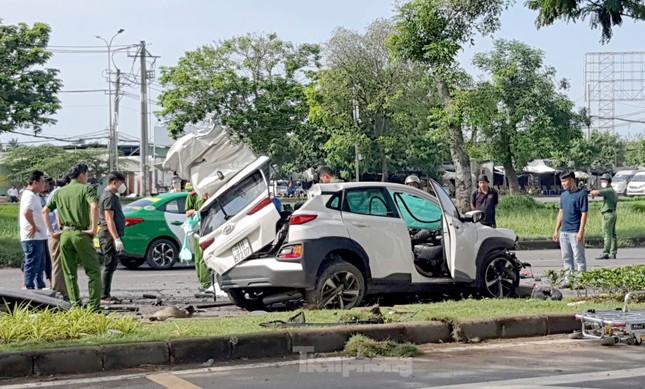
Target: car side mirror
{"x":474,"y":216}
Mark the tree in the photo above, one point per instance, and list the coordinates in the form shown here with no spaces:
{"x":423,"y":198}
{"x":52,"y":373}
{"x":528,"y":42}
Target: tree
{"x":27,"y":89}
{"x":602,"y":152}
{"x":432,"y":32}
{"x":254,"y":84}
{"x":522,"y":112}
{"x":603,"y":14}
{"x":52,"y":160}
{"x":635,"y":152}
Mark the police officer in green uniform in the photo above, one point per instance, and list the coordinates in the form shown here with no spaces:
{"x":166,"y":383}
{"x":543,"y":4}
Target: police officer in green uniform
{"x":193,"y":203}
{"x":608,"y":211}
{"x":78,"y":214}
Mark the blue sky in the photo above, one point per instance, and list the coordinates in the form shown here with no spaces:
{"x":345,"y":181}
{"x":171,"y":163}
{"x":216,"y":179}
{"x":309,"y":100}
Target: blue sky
{"x":172,"y":27}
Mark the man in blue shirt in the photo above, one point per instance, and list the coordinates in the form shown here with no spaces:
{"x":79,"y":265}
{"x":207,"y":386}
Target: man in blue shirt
{"x":571,"y":223}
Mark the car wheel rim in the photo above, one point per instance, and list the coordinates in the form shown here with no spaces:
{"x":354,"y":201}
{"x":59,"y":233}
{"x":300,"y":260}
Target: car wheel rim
{"x":500,"y":278}
{"x":163,"y":254}
{"x":339,"y":291}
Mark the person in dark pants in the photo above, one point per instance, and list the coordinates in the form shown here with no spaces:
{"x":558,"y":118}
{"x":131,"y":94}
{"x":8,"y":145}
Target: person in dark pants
{"x":78,"y":214}
{"x":112,"y":223}
{"x":609,"y":216}
{"x":33,"y":232}
{"x":485,"y":199}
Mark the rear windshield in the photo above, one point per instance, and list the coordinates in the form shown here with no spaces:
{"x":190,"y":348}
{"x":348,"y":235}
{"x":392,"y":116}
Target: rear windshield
{"x":233,"y":201}
{"x":137,"y":205}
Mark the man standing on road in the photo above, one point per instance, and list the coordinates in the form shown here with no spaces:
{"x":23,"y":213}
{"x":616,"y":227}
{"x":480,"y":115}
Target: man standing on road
{"x":33,"y":232}
{"x":13,"y":194}
{"x":112,"y":223}
{"x":609,"y":216}
{"x":571,"y":223}
{"x":193,"y":203}
{"x":485,"y":199}
{"x":58,"y":280}
{"x":327,"y":175}
{"x":78,"y":214}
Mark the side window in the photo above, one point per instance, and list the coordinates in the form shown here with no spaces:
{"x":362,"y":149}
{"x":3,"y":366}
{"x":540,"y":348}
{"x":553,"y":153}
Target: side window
{"x":334,"y":201}
{"x":172,"y":207}
{"x":418,"y":213}
{"x":181,"y":204}
{"x":368,"y":201}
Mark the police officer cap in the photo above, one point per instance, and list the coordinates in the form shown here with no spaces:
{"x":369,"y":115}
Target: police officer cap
{"x":605,"y":177}
{"x":412,"y":178}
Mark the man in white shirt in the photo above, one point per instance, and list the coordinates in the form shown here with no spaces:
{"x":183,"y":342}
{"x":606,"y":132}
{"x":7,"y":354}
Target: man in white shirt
{"x":13,"y":194}
{"x":33,"y":232}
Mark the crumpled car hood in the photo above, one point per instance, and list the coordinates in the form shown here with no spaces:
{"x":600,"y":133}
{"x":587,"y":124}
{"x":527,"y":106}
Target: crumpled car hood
{"x":201,"y":157}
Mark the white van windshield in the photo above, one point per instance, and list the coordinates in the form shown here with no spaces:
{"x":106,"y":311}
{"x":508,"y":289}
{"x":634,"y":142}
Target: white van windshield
{"x":639,"y":178}
{"x":621,"y":177}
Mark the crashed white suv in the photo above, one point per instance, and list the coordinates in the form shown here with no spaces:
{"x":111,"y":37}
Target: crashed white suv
{"x":347,"y":241}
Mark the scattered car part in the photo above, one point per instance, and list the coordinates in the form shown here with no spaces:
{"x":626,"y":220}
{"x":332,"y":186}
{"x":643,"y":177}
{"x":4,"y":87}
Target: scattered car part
{"x":10,"y":299}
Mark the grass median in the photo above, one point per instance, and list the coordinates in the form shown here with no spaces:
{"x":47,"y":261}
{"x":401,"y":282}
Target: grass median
{"x":230,"y":326}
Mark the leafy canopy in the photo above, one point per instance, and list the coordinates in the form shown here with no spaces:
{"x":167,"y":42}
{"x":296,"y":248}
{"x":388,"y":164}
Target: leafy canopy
{"x":602,"y":14}
{"x":27,"y":88}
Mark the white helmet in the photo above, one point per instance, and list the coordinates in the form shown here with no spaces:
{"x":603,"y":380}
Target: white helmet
{"x":412,"y":178}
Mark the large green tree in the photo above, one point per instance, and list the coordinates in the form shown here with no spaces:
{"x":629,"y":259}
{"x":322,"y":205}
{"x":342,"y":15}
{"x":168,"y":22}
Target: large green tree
{"x":27,"y":88}
{"x":433,"y":32}
{"x":635,"y":152}
{"x":602,"y":151}
{"x":374,"y":104}
{"x":522,"y":110}
{"x":52,"y":160}
{"x":254,"y":84}
{"x":602,"y":14}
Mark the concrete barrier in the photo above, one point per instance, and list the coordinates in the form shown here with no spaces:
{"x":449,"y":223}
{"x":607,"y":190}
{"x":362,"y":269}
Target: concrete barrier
{"x":123,"y":356}
{"x":16,"y":364}
{"x":68,"y":361}
{"x":200,"y":350}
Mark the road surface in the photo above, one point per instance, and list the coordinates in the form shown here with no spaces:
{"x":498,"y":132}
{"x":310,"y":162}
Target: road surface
{"x":550,"y":362}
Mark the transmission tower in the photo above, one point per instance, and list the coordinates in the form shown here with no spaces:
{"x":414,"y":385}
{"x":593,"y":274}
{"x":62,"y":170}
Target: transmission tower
{"x":612,"y":77}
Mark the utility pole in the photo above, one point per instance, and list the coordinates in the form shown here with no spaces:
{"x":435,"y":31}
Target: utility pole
{"x":115,"y":122}
{"x":143,"y":149}
{"x":357,"y":120}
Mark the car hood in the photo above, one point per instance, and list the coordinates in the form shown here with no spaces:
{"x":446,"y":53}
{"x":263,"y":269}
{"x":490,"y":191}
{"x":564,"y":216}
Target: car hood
{"x":208,"y":160}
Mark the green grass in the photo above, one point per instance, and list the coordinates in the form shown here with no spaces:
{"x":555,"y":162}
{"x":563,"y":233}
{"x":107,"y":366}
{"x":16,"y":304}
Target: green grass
{"x":444,"y":311}
{"x":537,"y":221}
{"x":10,"y":250}
{"x":361,"y":346}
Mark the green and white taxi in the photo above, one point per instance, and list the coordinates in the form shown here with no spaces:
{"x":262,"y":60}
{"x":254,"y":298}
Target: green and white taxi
{"x":153,"y":231}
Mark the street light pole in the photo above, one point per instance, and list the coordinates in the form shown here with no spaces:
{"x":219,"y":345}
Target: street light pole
{"x":112,"y":137}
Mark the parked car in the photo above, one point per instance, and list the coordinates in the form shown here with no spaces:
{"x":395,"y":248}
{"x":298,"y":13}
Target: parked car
{"x":636,"y":186}
{"x":348,"y":241}
{"x":153,"y":232}
{"x":621,"y":179}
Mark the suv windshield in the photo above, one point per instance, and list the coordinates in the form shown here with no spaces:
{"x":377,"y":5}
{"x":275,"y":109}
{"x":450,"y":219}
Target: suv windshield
{"x":231,"y":202}
{"x":621,"y":177}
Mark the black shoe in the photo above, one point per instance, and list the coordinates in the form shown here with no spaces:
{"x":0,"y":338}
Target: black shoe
{"x":602,"y":257}
{"x":613,"y":256}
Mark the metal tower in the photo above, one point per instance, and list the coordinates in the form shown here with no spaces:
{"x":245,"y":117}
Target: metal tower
{"x":612,"y":77}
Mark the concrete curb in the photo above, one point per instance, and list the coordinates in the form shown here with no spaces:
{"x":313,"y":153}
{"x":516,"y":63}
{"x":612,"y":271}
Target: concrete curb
{"x":593,"y":242}
{"x":77,"y":360}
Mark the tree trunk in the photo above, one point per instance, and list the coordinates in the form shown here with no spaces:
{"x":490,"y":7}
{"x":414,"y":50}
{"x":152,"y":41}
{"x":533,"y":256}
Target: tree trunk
{"x":460,"y":158}
{"x":511,"y":173}
{"x":384,"y":166}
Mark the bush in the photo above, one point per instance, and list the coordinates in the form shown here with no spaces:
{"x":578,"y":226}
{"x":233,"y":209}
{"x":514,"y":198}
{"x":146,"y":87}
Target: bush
{"x":515,"y":203}
{"x":609,"y":281}
{"x":26,"y":325}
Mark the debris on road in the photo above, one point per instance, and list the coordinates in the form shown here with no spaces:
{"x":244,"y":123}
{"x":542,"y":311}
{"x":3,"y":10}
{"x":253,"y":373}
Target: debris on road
{"x":173,"y":312}
{"x":10,"y":299}
{"x":546,"y":293}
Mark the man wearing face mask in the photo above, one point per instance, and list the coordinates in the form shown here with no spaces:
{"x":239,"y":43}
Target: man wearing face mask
{"x":608,"y":211}
{"x":112,"y":223}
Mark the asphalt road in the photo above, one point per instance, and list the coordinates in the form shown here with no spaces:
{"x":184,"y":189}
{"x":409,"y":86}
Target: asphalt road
{"x":550,"y":362}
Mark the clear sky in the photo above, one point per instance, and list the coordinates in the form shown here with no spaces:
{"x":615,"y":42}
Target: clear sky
{"x":171,"y":27}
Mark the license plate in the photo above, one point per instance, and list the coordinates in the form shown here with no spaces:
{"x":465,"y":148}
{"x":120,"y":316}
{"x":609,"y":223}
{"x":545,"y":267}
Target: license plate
{"x":241,"y":250}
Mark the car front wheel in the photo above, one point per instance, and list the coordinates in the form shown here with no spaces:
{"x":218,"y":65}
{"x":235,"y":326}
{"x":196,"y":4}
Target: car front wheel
{"x":340,"y":285}
{"x":162,"y":254}
{"x":499,"y":276}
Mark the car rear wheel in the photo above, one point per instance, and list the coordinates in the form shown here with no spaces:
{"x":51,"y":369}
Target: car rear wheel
{"x":499,"y":276}
{"x":132,"y":263}
{"x":340,"y":285}
{"x":162,"y":254}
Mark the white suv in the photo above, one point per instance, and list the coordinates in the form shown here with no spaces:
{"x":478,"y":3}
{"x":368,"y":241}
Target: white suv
{"x":347,"y":241}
